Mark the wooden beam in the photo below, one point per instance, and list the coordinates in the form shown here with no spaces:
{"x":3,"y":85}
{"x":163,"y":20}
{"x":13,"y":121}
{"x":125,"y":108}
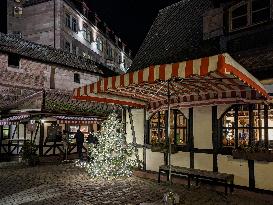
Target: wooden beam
{"x":236,"y":126}
{"x":251,"y":125}
{"x":214,"y":138}
{"x":266,"y":107}
{"x":146,"y":136}
{"x":41,"y":140}
{"x":191,"y":137}
{"x":251,"y":174}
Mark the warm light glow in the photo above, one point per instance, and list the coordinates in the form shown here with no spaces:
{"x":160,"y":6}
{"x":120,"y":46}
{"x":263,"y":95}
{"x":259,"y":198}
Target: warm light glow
{"x":112,"y":156}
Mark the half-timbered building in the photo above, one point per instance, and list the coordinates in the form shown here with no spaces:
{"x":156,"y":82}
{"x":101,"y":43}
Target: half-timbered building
{"x":36,"y":82}
{"x":211,"y":61}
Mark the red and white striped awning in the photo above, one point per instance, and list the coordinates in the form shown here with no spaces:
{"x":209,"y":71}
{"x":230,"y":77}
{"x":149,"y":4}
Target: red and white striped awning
{"x":77,"y":120}
{"x":212,"y":80}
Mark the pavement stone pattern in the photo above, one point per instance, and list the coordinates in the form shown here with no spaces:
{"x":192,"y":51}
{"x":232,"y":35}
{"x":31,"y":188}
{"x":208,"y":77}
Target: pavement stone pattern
{"x":65,"y":184}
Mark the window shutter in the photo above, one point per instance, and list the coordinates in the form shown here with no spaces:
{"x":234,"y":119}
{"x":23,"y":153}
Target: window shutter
{"x":213,"y":23}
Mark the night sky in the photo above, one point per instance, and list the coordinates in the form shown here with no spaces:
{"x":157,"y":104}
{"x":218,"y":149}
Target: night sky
{"x":130,"y":19}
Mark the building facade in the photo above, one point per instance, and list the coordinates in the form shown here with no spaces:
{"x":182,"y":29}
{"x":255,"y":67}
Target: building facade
{"x":187,"y":40}
{"x":68,"y":25}
{"x":35,"y":99}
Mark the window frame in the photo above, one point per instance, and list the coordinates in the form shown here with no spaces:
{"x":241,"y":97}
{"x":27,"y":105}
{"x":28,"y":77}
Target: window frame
{"x":14,"y":60}
{"x":77,"y":78}
{"x":65,"y":44}
{"x":68,"y":20}
{"x":99,"y":43}
{"x":163,"y":129}
{"x":251,"y":128}
{"x":109,"y":51}
{"x":248,"y":14}
{"x":74,"y":24}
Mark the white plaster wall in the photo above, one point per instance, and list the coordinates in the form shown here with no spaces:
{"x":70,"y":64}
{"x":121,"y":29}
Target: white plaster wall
{"x":181,"y":159}
{"x":226,"y":164}
{"x":138,"y":122}
{"x":203,"y":161}
{"x":221,"y":109}
{"x":154,"y":160}
{"x":202,"y":127}
{"x":263,"y":175}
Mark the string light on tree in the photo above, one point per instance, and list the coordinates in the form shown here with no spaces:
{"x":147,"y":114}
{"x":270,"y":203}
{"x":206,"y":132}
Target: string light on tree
{"x":112,"y":156}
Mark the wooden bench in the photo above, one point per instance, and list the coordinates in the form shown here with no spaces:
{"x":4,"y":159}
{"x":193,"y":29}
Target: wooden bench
{"x":227,"y":179}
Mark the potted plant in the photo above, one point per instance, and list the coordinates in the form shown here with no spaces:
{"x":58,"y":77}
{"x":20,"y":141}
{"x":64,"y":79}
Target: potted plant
{"x":29,"y":155}
{"x":257,"y":152}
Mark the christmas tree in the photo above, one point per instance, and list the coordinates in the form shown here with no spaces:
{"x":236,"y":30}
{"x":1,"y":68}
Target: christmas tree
{"x":112,"y":156}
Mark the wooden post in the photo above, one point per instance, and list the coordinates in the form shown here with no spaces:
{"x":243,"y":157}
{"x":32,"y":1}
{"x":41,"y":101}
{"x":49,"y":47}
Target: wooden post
{"x":18,"y":133}
{"x":146,"y":136}
{"x":251,"y":125}
{"x":236,"y":126}
{"x":214,"y":138}
{"x":1,"y":138}
{"x":175,"y":126}
{"x":251,"y":142}
{"x":191,"y":138}
{"x":41,"y":140}
{"x":266,"y":107}
{"x":25,"y":131}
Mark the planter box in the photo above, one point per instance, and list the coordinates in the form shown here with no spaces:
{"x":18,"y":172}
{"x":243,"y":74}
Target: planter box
{"x":258,"y":156}
{"x":163,"y":149}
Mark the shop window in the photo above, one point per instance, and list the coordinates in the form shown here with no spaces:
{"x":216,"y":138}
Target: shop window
{"x":178,"y":127}
{"x":249,"y":13}
{"x":237,"y":125}
{"x":77,"y":78}
{"x":5,"y":132}
{"x":99,"y":44}
{"x":73,"y":129}
{"x":13,"y":60}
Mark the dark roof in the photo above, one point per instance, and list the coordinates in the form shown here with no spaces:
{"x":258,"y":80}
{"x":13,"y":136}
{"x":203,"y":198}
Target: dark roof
{"x":176,"y":35}
{"x":13,"y":44}
{"x":259,"y":62}
{"x":59,"y":102}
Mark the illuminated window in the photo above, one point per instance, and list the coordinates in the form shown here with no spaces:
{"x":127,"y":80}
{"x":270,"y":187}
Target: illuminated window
{"x":99,"y":44}
{"x":109,"y":51}
{"x":178,"y":127}
{"x":18,"y":11}
{"x":236,"y":125}
{"x":5,"y":131}
{"x":249,"y":13}
{"x":74,"y":24}
{"x":68,"y":20}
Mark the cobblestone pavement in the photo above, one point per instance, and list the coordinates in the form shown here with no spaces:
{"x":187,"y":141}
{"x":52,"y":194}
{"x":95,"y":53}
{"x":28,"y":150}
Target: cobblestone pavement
{"x":68,"y":185}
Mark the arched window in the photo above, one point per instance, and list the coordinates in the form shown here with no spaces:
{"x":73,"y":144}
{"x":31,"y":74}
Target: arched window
{"x":243,"y":125}
{"x":178,"y":127}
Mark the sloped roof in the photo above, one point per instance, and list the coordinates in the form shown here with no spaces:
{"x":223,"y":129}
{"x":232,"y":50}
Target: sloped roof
{"x":13,"y":44}
{"x":59,"y":102}
{"x":176,"y":35}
